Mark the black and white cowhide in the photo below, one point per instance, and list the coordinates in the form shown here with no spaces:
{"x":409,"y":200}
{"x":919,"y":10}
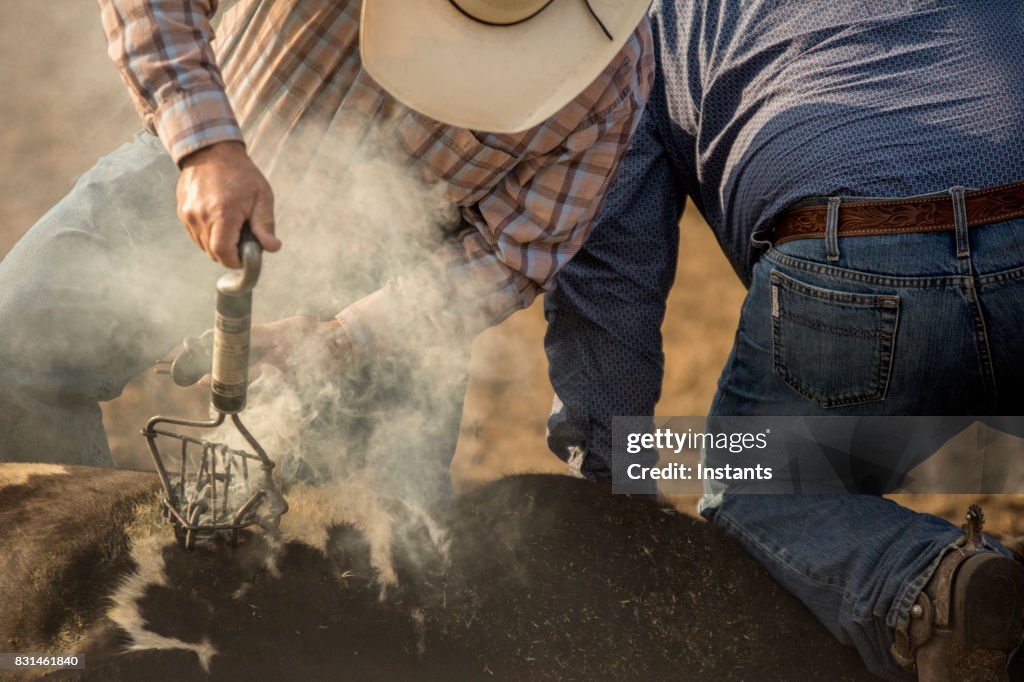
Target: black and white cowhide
{"x":530,"y":577}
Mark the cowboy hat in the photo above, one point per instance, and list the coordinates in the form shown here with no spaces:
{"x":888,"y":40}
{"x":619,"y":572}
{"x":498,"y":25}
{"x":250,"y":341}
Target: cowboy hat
{"x":499,"y":66}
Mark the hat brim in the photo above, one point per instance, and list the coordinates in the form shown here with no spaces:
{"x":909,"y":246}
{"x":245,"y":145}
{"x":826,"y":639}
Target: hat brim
{"x":502,"y":79}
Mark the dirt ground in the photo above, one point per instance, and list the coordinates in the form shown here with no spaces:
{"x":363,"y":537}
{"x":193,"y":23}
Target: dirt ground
{"x":63,"y":106}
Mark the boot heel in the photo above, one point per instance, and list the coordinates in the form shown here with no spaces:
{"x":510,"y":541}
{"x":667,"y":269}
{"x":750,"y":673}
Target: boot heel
{"x":988,"y":602}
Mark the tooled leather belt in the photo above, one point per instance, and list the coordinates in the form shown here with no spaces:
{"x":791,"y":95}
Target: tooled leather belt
{"x":933,"y":213}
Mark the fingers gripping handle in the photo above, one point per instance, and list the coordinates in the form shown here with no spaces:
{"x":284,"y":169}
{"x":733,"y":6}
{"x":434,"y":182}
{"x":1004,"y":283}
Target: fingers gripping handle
{"x":230,"y":375}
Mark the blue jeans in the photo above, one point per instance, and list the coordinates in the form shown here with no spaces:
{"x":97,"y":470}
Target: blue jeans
{"x":897,"y":325}
{"x":108,"y":282}
{"x":103,"y":285}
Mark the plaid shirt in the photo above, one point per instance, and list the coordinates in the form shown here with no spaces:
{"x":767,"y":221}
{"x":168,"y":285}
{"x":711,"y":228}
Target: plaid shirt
{"x":289,"y":73}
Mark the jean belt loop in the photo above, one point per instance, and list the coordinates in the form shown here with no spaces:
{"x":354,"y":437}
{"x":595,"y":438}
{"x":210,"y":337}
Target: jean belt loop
{"x":832,"y":229}
{"x":963,"y":245}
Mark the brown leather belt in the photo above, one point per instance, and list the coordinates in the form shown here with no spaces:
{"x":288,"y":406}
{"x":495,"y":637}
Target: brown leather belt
{"x":933,"y":213}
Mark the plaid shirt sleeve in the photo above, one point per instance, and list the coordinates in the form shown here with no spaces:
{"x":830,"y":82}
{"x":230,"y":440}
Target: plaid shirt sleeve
{"x":162,"y":50}
{"x":525,"y":227}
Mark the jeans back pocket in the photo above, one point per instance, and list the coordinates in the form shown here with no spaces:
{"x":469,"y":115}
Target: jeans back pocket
{"x":832,"y":347}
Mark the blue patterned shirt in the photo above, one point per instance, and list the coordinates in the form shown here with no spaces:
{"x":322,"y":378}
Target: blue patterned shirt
{"x":761,"y":103}
{"x":756,"y":105}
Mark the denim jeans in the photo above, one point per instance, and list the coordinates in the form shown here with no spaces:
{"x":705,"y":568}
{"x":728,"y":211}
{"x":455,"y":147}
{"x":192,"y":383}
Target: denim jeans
{"x":895,"y":325}
{"x":108,"y":282}
{"x":103,"y":285}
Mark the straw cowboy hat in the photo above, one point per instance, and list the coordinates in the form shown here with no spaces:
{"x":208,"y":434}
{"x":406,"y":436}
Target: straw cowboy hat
{"x":492,"y":65}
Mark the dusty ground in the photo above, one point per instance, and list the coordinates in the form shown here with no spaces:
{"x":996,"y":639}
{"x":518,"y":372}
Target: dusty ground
{"x":63,"y":106}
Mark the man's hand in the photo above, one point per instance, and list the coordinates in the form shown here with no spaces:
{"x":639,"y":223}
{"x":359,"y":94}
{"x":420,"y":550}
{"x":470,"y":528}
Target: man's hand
{"x":300,"y":344}
{"x":219,"y":189}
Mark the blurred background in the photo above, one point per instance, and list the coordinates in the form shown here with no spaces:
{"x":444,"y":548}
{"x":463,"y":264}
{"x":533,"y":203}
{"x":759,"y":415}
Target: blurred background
{"x":63,"y":106}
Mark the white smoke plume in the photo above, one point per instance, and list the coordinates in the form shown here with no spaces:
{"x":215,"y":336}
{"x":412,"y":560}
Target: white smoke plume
{"x":352,"y":216}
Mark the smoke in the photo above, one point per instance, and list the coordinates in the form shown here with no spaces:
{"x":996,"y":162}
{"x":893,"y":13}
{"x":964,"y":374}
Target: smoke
{"x":354,"y":217}
{"x":385,"y":425}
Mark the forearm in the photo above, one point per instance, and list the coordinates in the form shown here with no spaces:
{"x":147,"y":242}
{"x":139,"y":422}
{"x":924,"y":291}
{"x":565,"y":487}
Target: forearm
{"x":461,"y":289}
{"x":162,"y":50}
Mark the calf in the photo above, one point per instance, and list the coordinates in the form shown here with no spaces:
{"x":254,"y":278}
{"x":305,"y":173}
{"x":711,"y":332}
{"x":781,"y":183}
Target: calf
{"x":530,"y":577}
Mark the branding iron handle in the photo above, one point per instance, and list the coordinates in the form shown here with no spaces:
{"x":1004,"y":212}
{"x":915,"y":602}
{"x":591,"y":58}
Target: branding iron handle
{"x":230,"y":375}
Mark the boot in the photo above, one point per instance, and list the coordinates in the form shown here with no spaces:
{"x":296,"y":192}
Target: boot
{"x":969,"y":617}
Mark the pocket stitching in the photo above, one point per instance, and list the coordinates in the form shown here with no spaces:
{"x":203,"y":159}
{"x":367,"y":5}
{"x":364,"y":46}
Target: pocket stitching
{"x":844,"y":297}
{"x":888,"y":308}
